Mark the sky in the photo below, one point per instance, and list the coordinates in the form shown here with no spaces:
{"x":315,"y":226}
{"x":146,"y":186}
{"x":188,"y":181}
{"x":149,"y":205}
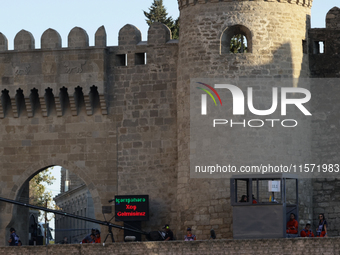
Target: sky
{"x":55,"y":189}
{"x":38,"y":15}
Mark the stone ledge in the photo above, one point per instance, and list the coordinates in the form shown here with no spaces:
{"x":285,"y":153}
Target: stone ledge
{"x":186,"y":3}
{"x":259,"y":246}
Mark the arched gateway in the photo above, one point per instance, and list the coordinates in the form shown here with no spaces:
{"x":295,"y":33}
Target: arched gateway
{"x":18,"y":218}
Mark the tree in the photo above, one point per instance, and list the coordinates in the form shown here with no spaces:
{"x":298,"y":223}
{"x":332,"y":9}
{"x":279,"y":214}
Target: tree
{"x":38,"y":195}
{"x":238,"y":44}
{"x":157,"y":13}
{"x":175,"y":29}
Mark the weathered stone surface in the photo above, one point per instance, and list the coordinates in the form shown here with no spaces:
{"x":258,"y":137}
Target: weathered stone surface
{"x":50,"y":39}
{"x":3,"y":42}
{"x":78,"y":38}
{"x":24,"y":40}
{"x":100,"y":37}
{"x":158,"y":33}
{"x":292,"y":246}
{"x":333,"y":18}
{"x":129,"y":35}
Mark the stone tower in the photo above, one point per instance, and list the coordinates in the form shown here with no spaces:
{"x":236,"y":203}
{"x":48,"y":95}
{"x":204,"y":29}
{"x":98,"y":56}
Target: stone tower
{"x":276,"y":34}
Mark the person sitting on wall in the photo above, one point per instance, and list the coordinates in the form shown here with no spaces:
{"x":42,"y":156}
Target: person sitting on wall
{"x":88,"y":238}
{"x":306,"y":232}
{"x":65,"y":241}
{"x":98,"y":239}
{"x":243,"y":199}
{"x":254,"y":199}
{"x":321,"y":231}
{"x":292,"y":226}
{"x":91,"y":240}
{"x":169,"y":235}
{"x":189,"y":236}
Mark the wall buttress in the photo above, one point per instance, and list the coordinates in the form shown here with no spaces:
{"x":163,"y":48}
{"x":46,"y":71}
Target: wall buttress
{"x":28,"y":107}
{"x":58,"y":107}
{"x":73,"y":106}
{"x":43,"y":106}
{"x":103,"y":106}
{"x":88,"y":106}
{"x":14,"y":107}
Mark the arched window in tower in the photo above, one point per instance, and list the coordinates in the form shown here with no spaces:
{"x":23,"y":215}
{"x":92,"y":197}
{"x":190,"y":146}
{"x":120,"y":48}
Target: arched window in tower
{"x":236,"y":39}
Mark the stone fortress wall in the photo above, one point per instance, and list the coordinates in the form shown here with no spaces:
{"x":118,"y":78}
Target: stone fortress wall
{"x":118,"y":116}
{"x":107,"y":114}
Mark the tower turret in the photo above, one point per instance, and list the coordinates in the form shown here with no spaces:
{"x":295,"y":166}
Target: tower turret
{"x":275,"y":36}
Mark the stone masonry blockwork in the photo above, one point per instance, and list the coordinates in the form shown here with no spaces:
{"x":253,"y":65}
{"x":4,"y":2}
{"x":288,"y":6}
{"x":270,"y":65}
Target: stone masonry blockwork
{"x":222,"y":247}
{"x":119,"y":116}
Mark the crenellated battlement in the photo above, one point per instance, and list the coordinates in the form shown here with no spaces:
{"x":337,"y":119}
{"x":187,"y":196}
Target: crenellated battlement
{"x":186,"y":3}
{"x":77,"y":73}
{"x":324,"y":47}
{"x":333,"y":18}
{"x":78,"y":38}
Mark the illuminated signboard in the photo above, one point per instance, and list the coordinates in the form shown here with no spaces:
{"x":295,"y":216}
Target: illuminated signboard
{"x":132,"y":208}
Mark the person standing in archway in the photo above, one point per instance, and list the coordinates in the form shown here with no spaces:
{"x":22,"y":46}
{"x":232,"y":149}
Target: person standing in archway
{"x":14,"y":238}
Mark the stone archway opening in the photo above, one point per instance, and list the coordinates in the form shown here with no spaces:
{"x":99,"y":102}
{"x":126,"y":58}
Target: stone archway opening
{"x":236,"y":39}
{"x":62,"y":190}
{"x":74,"y":198}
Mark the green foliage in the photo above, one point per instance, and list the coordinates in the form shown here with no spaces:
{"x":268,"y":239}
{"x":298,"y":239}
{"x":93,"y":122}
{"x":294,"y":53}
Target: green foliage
{"x":157,"y":13}
{"x":237,"y":44}
{"x":38,"y":193}
{"x":175,"y":29}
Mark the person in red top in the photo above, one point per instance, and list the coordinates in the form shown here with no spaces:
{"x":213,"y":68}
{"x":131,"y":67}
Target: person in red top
{"x":98,"y":239}
{"x":254,"y":199}
{"x":306,"y":232}
{"x":292,"y":225}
